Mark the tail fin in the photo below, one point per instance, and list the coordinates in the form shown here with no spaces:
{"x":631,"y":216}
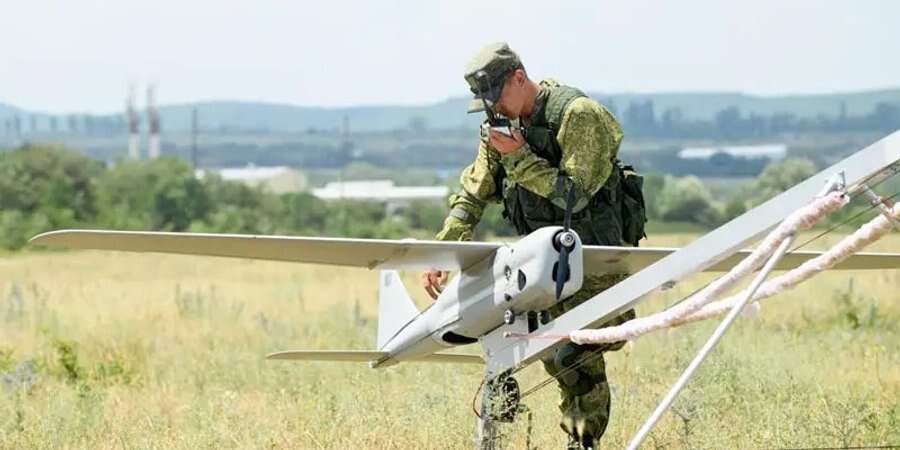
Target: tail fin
{"x":395,"y":307}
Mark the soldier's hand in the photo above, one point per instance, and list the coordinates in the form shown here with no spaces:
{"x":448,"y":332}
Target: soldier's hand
{"x":506,"y":144}
{"x":433,"y":281}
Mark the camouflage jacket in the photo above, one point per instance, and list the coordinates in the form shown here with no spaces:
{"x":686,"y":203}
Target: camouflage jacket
{"x":589,"y":137}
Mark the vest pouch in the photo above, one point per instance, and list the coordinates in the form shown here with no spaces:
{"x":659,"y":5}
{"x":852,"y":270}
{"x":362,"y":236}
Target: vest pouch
{"x":605,"y":220}
{"x":512,"y":207}
{"x":584,"y":223}
{"x":634,"y":211}
{"x":535,"y":211}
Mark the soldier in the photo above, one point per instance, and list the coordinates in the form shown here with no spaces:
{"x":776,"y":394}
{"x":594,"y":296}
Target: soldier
{"x":561,"y":140}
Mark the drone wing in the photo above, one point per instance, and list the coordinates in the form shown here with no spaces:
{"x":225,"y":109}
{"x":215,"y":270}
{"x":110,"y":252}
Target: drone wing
{"x":369,"y":253}
{"x":407,"y":254}
{"x":394,"y":254}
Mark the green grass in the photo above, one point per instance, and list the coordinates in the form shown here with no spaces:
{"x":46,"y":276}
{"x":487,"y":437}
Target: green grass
{"x":163,"y":351}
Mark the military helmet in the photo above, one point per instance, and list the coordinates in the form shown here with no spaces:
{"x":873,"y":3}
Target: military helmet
{"x":487,"y":72}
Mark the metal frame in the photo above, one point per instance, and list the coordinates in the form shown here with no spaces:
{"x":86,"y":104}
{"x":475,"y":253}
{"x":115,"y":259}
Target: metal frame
{"x":835,"y":182}
{"x":876,"y":161}
{"x":882,"y":206}
{"x":710,"y":345}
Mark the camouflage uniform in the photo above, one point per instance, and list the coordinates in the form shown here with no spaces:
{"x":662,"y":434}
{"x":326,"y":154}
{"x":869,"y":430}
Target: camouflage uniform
{"x":589,"y":137}
{"x":533,"y":189}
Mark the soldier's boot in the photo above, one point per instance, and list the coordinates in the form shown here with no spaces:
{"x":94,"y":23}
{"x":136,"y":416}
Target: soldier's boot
{"x":582,"y":443}
{"x":587,"y":442}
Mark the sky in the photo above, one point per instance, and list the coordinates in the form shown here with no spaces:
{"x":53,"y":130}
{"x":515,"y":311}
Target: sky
{"x":62,"y":56}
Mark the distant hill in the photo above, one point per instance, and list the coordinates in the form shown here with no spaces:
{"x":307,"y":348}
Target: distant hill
{"x":449,"y":114}
{"x":706,"y":105}
{"x":8,"y":110}
{"x":288,"y":118}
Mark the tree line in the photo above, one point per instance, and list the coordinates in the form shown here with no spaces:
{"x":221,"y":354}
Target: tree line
{"x":44,"y":188}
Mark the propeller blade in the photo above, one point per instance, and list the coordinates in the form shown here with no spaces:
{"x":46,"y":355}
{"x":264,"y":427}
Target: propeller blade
{"x":570,"y":200}
{"x":562,"y":266}
{"x":562,"y":270}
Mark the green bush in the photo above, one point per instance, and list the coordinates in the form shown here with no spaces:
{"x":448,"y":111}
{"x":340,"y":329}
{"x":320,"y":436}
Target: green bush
{"x":687,"y":200}
{"x":57,"y":182}
{"x":304,"y":213}
{"x":780,"y":176}
{"x":162,"y":194}
{"x":43,"y":188}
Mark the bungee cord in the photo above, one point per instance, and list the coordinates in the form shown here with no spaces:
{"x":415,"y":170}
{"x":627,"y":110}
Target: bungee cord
{"x":802,"y":219}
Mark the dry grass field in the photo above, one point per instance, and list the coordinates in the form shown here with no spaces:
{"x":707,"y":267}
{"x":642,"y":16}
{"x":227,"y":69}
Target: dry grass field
{"x":115,"y":350}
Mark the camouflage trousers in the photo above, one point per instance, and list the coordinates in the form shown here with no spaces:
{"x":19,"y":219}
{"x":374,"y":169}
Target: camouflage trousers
{"x":580,"y":370}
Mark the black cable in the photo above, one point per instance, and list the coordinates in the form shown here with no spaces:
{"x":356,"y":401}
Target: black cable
{"x":475,"y":397}
{"x":593,"y":355}
{"x":852,"y":198}
{"x":845,"y":222}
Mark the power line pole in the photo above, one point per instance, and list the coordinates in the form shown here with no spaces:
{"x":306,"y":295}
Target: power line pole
{"x":134,"y":125}
{"x":153,"y":123}
{"x":195,"y":129}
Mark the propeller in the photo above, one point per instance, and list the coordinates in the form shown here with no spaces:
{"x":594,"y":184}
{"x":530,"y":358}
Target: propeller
{"x":565,"y":241}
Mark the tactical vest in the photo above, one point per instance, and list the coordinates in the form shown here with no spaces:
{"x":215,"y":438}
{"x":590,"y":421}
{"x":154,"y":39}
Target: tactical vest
{"x":602,"y":221}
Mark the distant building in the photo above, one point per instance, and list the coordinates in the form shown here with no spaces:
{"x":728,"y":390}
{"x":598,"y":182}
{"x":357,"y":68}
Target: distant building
{"x":382,"y":191}
{"x":277,"y":179}
{"x":770,"y":151}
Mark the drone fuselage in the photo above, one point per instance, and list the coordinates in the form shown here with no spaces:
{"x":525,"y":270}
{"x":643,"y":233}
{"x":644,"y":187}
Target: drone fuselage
{"x":518,"y":278}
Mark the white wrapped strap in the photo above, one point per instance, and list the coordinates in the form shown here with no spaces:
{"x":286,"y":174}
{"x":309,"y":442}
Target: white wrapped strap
{"x":801,"y":219}
{"x":867,"y":234}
